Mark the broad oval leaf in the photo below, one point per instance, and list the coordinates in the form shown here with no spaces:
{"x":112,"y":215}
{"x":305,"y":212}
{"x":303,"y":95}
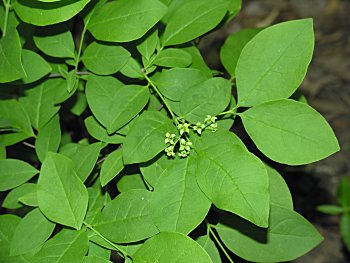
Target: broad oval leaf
{"x":111,"y":167}
{"x":34,"y":66}
{"x":146,"y":138}
{"x":210,"y":247}
{"x":130,"y":19}
{"x":66,"y":246}
{"x":174,"y":82}
{"x":127,"y":218}
{"x":192,"y":20}
{"x":62,"y":197}
{"x":12,"y":201}
{"x":131,"y":181}
{"x":32,"y":231}
{"x":287,"y":50}
{"x":168,"y":247}
{"x":288,"y":237}
{"x":105,"y":59}
{"x":177,"y":203}
{"x":234,"y":180}
{"x":207,"y":98}
{"x":148,"y":46}
{"x":290,"y":132}
{"x":11,"y":67}
{"x":14,"y":172}
{"x":233,"y":46}
{"x":43,"y":14}
{"x":172,"y":58}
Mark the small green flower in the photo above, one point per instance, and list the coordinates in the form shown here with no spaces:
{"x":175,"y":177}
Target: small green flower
{"x":210,"y":119}
{"x":183,"y":128}
{"x":170,"y":151}
{"x":169,"y":138}
{"x":199,"y":127}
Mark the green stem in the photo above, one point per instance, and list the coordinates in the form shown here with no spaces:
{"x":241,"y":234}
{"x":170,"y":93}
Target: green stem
{"x":105,"y":239}
{"x":150,"y":63}
{"x":77,"y":60}
{"x":219,"y":243}
{"x":162,"y":98}
{"x":7,"y":11}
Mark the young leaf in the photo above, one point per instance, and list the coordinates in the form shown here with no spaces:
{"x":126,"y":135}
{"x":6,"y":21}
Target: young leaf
{"x":67,"y":246}
{"x":208,"y":98}
{"x":233,"y":46}
{"x":132,"y":69}
{"x":192,"y":20}
{"x":289,"y":236}
{"x":149,"y":45}
{"x":177,"y":203}
{"x":48,"y":138}
{"x":176,"y":81}
{"x":290,"y":132}
{"x":345,"y":229}
{"x":127,"y":218}
{"x":56,"y":44}
{"x":99,"y":132}
{"x":43,"y":14}
{"x":105,"y":59}
{"x":10,"y":57}
{"x":333,"y":209}
{"x":146,"y":138}
{"x":210,"y":248}
{"x":84,"y":157}
{"x":344,"y":192}
{"x":97,"y":200}
{"x":131,"y":20}
{"x":167,"y":247}
{"x":32,"y":231}
{"x":12,"y":199}
{"x":234,"y":180}
{"x":80,"y":104}
{"x":111,"y":167}
{"x":233,"y":8}
{"x":14,"y":172}
{"x":62,"y":197}
{"x":287,"y":50}
{"x":172,"y":58}
{"x":34,"y":66}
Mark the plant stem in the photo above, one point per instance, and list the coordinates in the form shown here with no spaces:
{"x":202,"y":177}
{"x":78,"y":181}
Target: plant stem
{"x":7,"y":11}
{"x":77,"y":60}
{"x":162,"y":98}
{"x":219,"y":243}
{"x":107,"y":240}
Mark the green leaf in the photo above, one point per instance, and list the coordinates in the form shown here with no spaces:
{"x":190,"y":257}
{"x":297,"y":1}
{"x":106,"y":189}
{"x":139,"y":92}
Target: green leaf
{"x":152,"y":169}
{"x":233,"y":46}
{"x":198,"y":61}
{"x":208,"y":98}
{"x":98,"y":251}
{"x":30,"y":199}
{"x":40,"y":103}
{"x":14,"y":172}
{"x":146,"y":138}
{"x":111,"y":167}
{"x":177,"y":203}
{"x":192,"y":20}
{"x":55,"y":42}
{"x":67,"y":246}
{"x":97,"y":200}
{"x":10,"y":57}
{"x":95,"y":259}
{"x":333,"y":209}
{"x":34,"y":66}
{"x":130,"y":181}
{"x":279,"y":191}
{"x":288,"y":237}
{"x":172,"y":58}
{"x":8,"y":224}
{"x":127,"y":218}
{"x":105,"y":59}
{"x":210,"y":248}
{"x":12,"y":199}
{"x":99,"y":132}
{"x":148,"y":46}
{"x":287,"y":50}
{"x":33,"y":230}
{"x":80,"y":104}
{"x":290,"y":132}
{"x":131,"y":20}
{"x":233,"y":179}
{"x":175,"y":82}
{"x":345,"y":229}
{"x":48,"y":138}
{"x":132,"y":69}
{"x":84,"y":157}
{"x":43,"y":14}
{"x":167,"y":247}
{"x":233,"y":8}
{"x":72,"y":81}
{"x":343,"y":192}
{"x":62,"y":197}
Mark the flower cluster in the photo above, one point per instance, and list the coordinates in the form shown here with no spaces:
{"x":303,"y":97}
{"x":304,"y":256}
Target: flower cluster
{"x":169,"y":141}
{"x":210,"y":121}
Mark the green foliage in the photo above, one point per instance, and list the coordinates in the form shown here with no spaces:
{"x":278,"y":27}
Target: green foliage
{"x":151,"y":157}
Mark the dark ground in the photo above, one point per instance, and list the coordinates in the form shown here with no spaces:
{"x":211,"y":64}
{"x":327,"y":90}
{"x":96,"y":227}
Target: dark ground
{"x":327,"y":88}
